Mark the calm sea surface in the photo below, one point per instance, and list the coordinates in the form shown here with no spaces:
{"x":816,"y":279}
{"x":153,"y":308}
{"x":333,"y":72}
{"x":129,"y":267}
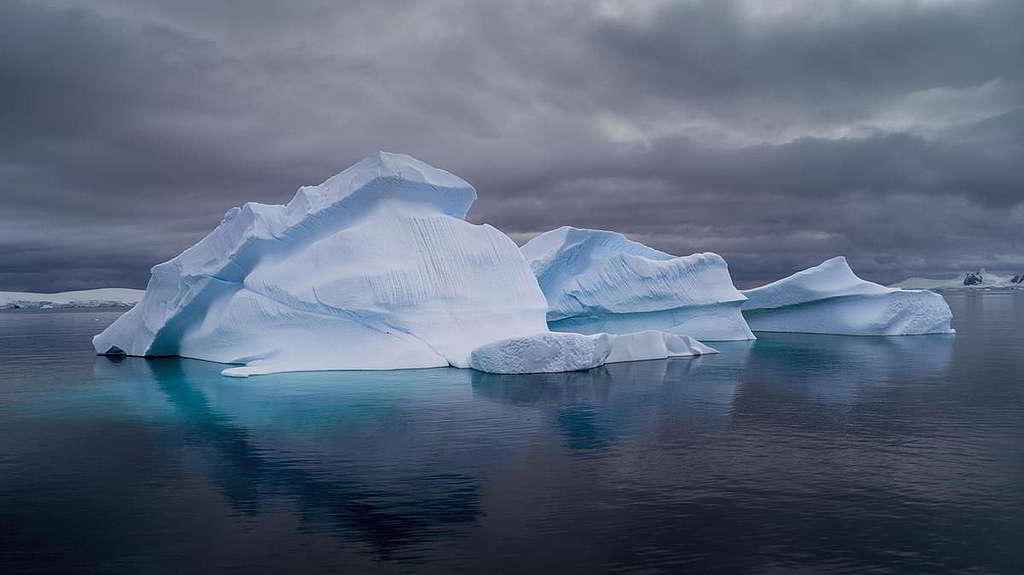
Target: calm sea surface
{"x":791,"y":454}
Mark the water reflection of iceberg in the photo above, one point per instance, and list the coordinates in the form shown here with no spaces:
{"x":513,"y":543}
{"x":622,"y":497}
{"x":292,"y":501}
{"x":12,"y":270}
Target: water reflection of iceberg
{"x":599,"y":385}
{"x":391,"y":512}
{"x":595,"y":409}
{"x":840,"y":368}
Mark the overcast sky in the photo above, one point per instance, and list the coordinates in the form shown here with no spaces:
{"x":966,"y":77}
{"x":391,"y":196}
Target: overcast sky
{"x":776,"y":134}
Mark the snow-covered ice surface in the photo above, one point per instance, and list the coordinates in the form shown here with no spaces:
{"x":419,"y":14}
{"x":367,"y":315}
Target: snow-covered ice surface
{"x":644,"y":345}
{"x":830,"y":298}
{"x":599,"y":281}
{"x":550,"y":352}
{"x":103,"y":297}
{"x":545,"y":352}
{"x":373,"y":269}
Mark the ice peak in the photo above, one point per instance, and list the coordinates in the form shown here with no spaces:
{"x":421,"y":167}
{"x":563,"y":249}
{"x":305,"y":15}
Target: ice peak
{"x":597,"y":243}
{"x":831,"y":278}
{"x":390,"y":164}
{"x":830,"y":271}
{"x":402,"y":166}
{"x":389,"y":174}
{"x":835,"y":261}
{"x":837,"y":265}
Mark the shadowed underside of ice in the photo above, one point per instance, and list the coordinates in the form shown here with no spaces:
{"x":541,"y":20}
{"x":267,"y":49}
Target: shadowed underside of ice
{"x":551,"y":352}
{"x":830,"y":298}
{"x":373,"y":269}
{"x":598,"y":281}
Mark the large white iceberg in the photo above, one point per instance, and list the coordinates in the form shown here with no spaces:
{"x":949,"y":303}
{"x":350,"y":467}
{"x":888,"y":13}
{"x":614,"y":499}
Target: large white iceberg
{"x":830,"y":298}
{"x":551,"y":352}
{"x":598,"y":281}
{"x":373,"y":269}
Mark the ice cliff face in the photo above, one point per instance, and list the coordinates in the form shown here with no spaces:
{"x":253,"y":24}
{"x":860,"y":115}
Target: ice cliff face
{"x":598,"y":281}
{"x":373,"y":269}
{"x":830,"y":298}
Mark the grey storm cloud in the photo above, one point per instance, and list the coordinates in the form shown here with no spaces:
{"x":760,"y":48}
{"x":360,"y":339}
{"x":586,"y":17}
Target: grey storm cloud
{"x":774,"y":133}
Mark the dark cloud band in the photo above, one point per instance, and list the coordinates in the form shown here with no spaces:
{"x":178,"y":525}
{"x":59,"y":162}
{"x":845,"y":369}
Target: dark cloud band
{"x":776,"y":134}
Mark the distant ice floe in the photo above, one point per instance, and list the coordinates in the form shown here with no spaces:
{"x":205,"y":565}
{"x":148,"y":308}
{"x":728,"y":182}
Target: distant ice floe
{"x":829,"y":298}
{"x":598,"y":281}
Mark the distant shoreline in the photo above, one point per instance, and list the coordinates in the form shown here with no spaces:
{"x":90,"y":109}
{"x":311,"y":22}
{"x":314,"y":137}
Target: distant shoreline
{"x":67,"y":308}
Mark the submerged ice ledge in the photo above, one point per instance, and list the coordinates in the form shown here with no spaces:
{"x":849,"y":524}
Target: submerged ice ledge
{"x":552,"y":352}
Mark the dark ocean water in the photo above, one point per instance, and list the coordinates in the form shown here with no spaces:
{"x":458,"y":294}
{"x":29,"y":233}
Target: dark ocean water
{"x":791,"y":454}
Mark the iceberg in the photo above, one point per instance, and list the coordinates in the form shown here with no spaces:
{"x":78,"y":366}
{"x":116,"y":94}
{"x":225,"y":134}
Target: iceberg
{"x":375,"y":268}
{"x":102,"y":297}
{"x":830,"y":298}
{"x":598,"y":281}
{"x":551,"y":352}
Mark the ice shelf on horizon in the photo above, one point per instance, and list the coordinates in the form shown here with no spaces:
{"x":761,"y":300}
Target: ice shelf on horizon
{"x":830,"y":299}
{"x":599,"y":281}
{"x":980,"y":279}
{"x":102,"y":297}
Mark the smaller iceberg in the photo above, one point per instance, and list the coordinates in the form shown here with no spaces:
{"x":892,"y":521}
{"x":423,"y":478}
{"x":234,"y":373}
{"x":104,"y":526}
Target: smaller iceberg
{"x":830,"y":298}
{"x":598,"y":281}
{"x":551,"y":352}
